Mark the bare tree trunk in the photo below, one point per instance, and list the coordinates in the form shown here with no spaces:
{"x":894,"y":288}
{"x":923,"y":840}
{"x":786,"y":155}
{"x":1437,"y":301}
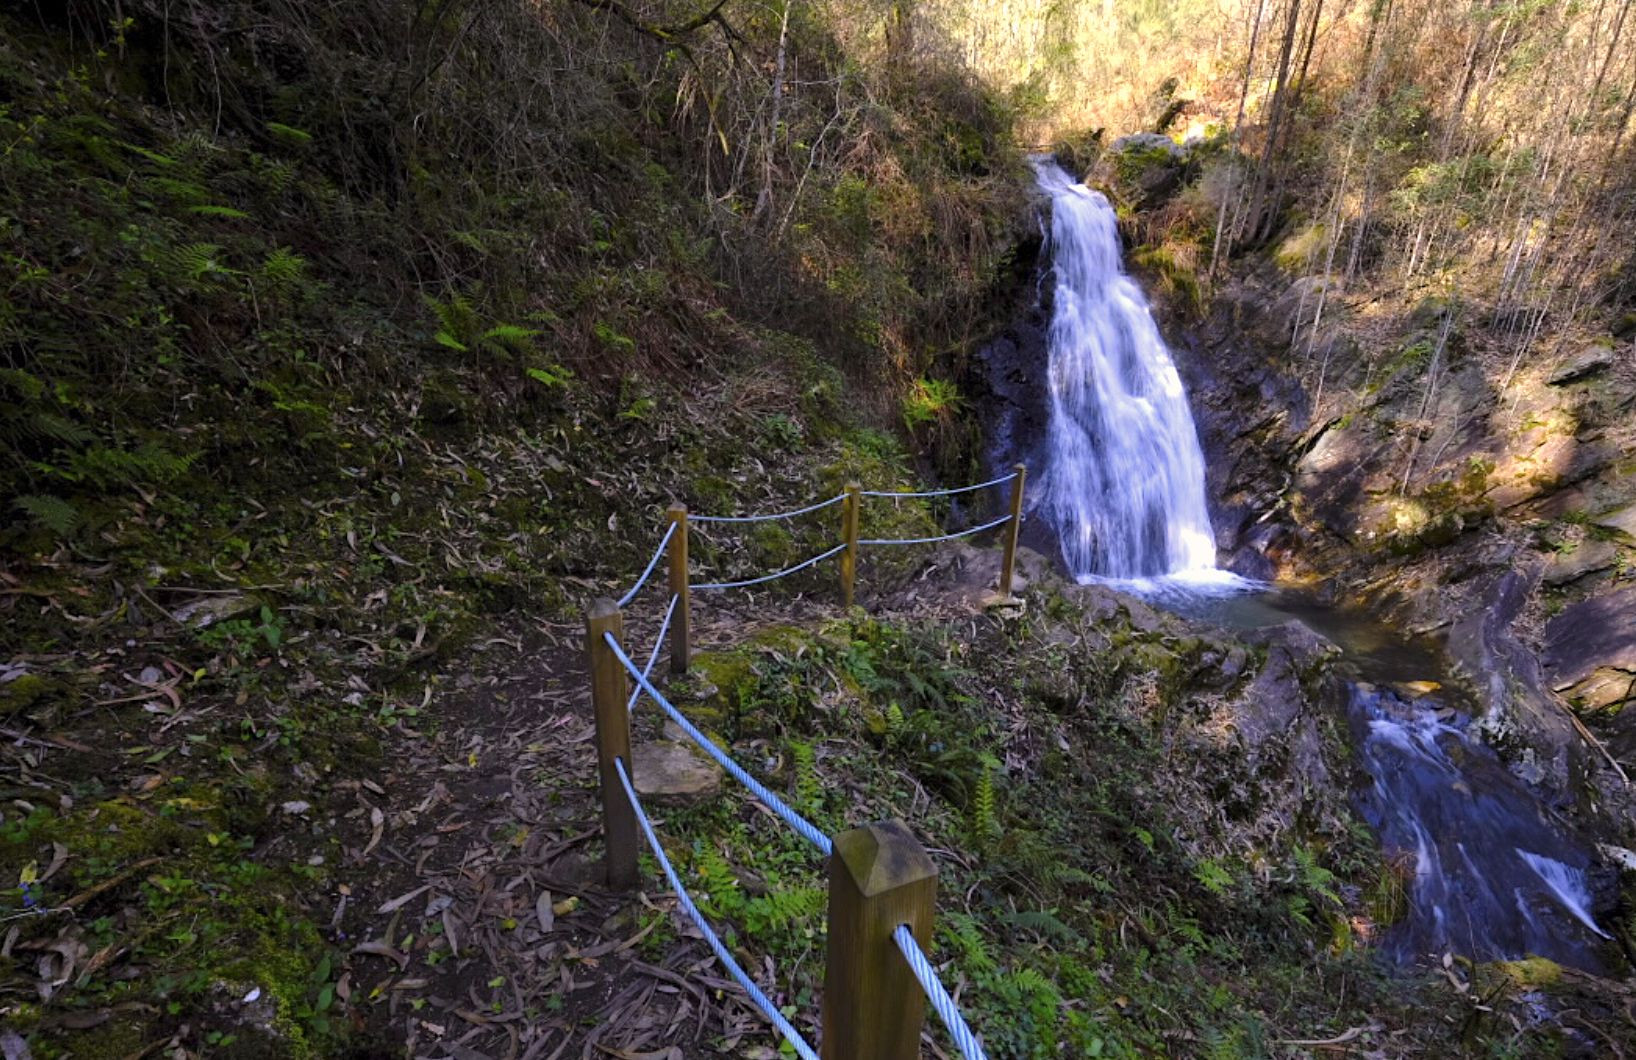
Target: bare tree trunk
{"x":1224,"y":237}
{"x":764,"y":200}
{"x":1280,"y":103}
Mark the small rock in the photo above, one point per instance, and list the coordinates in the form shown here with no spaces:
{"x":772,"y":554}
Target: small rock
{"x":1594,"y":360}
{"x":1588,"y":558}
{"x":212,"y":609}
{"x":664,"y":768}
{"x":1622,"y":521}
{"x":296,"y":807}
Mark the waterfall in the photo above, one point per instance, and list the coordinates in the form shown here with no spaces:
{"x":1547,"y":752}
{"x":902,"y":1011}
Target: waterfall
{"x":1123,"y":484}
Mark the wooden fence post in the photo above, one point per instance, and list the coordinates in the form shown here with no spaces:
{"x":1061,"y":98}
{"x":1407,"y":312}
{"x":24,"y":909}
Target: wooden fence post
{"x":681,"y":623}
{"x":609,"y":692}
{"x":849,"y":536}
{"x":1008,"y":565}
{"x":879,"y":877}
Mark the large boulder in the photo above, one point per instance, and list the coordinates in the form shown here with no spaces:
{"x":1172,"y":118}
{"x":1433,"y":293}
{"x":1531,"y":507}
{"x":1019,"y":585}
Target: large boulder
{"x":1147,"y":167}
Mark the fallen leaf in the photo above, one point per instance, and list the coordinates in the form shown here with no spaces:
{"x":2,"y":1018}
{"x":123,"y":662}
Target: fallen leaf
{"x":377,"y":822}
{"x":543,"y":910}
{"x":402,"y":900}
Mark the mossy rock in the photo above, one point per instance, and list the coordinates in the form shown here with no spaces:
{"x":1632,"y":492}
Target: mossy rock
{"x":719,"y":682}
{"x":1531,"y":973}
{"x":772,"y":547}
{"x":28,"y":690}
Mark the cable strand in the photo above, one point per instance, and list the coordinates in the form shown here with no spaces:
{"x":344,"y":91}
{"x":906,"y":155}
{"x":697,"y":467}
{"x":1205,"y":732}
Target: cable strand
{"x":947,"y":1009}
{"x":805,"y":828}
{"x":785,"y":573}
{"x":933,"y":540}
{"x":905,"y":494}
{"x":652,"y":563}
{"x":658,"y":645}
{"x":757,"y":997}
{"x":820,"y":506}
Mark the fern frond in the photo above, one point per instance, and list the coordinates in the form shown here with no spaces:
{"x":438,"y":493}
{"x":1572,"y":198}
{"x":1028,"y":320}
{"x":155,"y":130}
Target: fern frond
{"x":52,"y":513}
{"x":152,"y":156}
{"x":58,"y":429}
{"x":1046,"y":925}
{"x":289,"y":133}
{"x":211,"y":210}
{"x":283,"y":270}
{"x":181,"y":190}
{"x":26,"y":385}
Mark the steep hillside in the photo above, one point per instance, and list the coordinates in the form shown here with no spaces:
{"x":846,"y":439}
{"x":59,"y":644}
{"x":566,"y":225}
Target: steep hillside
{"x":348,"y":347}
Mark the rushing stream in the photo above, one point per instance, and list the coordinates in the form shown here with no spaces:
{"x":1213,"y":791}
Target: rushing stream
{"x":1490,"y":872}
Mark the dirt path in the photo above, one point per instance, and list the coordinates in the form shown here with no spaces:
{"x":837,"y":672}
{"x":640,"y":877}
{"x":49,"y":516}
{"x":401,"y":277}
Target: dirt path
{"x":476,"y":917}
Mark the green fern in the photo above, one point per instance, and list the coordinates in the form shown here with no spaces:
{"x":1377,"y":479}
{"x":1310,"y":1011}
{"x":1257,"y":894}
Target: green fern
{"x":458,"y":328}
{"x":288,"y":133}
{"x":808,"y":789}
{"x":895,"y":725}
{"x":194,"y":264}
{"x":25,"y":385}
{"x":46,"y":425}
{"x":610,"y":337}
{"x":106,"y":466}
{"x":52,"y":513}
{"x":782,"y":908}
{"x":180,"y":190}
{"x":152,"y":156}
{"x":554,"y":376}
{"x":226,"y":212}
{"x":985,"y":823}
{"x":283,"y":270}
{"x":1214,"y":877}
{"x":1046,"y":925}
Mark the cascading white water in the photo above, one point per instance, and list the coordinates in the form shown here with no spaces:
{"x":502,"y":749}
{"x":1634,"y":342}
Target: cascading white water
{"x":1124,"y":478}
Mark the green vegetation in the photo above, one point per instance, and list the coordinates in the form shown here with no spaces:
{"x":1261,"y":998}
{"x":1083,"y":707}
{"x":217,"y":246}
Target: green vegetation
{"x":1094,"y":908}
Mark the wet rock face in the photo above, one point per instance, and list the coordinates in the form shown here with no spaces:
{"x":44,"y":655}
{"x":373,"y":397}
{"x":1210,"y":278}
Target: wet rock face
{"x":1517,"y":709}
{"x":1013,"y":378}
{"x":1590,"y":650}
{"x":1251,"y":417}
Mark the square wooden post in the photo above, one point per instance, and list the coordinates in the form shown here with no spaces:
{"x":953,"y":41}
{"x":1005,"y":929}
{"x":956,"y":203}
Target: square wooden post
{"x":879,"y":877}
{"x":1008,"y":564}
{"x":849,"y":536}
{"x":610,"y":689}
{"x":681,"y":645}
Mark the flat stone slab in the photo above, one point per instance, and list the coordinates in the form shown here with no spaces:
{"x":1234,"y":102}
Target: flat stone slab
{"x":1598,"y":634}
{"x":1586,"y":558}
{"x":1621,"y":521}
{"x":667,"y":768}
{"x":1587,"y":364}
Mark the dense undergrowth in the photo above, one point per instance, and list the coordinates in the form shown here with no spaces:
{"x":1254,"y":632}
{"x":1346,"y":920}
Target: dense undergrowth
{"x":1123,"y":872}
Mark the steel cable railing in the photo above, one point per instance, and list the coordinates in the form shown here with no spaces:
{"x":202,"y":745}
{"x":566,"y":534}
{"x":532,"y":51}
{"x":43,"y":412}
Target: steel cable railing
{"x":934,"y":540}
{"x":947,"y":1009}
{"x":805,"y":828}
{"x":757,"y":996}
{"x":906,"y":494}
{"x":785,"y":573}
{"x":658,"y":646}
{"x":605,"y":627}
{"x":664,"y":543}
{"x":820,"y":506}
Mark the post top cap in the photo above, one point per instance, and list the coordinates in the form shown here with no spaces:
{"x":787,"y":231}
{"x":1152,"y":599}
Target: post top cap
{"x":884,"y":856}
